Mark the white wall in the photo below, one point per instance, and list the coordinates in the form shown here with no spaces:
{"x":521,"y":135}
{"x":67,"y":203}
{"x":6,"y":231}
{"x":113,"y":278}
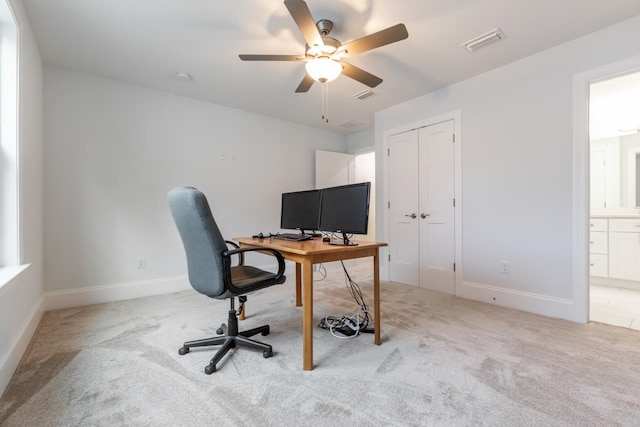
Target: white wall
{"x":516,"y":169}
{"x":21,"y":299}
{"x":114,"y":150}
{"x":361,"y":141}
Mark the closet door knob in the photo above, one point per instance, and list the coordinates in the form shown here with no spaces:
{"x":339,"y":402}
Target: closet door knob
{"x":413,"y":216}
{"x":424,"y":215}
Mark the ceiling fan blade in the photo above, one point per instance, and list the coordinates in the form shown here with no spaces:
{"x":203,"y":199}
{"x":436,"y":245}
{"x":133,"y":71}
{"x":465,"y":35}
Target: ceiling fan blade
{"x":305,"y":84}
{"x":302,"y":16}
{"x":272,"y":57}
{"x":360,"y":75}
{"x":381,"y":38}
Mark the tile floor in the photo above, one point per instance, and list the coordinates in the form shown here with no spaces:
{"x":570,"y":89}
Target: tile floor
{"x":615,"y":306}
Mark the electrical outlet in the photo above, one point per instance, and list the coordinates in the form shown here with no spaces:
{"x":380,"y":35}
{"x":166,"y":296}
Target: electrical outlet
{"x":504,"y":267}
{"x":142,"y":263}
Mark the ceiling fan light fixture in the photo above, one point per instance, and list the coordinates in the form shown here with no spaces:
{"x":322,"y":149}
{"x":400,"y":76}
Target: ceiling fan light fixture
{"x":323,"y":69}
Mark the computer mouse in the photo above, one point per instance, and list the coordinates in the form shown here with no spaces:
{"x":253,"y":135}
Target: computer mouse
{"x":326,"y":239}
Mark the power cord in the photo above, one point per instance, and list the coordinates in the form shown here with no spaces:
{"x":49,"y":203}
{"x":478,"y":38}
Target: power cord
{"x":349,"y":326}
{"x":322,"y":272}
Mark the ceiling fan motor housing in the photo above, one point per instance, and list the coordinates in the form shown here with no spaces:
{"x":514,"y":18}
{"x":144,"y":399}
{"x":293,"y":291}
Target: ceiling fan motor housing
{"x":324,"y":27}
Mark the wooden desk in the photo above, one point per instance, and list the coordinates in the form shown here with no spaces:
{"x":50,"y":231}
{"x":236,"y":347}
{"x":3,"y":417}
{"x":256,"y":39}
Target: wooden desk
{"x":310,"y":252}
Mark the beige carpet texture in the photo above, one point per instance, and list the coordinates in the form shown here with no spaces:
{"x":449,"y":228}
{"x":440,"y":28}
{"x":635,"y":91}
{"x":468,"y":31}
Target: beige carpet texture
{"x":444,"y":361}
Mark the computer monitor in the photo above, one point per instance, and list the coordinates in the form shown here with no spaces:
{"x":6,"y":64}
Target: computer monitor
{"x":345,"y":209}
{"x":300,"y":210}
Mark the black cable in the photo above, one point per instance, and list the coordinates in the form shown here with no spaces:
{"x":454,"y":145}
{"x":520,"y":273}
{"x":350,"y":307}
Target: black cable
{"x":345,"y":325}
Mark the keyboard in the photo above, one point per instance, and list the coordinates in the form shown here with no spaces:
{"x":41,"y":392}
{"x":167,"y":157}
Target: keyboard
{"x":294,"y":237}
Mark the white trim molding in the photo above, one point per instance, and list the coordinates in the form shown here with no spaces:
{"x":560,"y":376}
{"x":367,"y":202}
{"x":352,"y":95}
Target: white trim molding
{"x":115,"y":292}
{"x":19,"y":343}
{"x":581,"y":83}
{"x":68,"y":298}
{"x":519,"y":300}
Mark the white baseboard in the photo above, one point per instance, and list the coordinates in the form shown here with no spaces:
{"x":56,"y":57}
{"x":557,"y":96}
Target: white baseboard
{"x":121,"y":291}
{"x":525,"y":301}
{"x":19,"y":346}
{"x":615,"y":283}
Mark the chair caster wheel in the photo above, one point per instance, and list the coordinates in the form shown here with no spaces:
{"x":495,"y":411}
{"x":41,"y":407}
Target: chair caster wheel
{"x":219,"y":331}
{"x":209,"y":369}
{"x":267,"y":354}
{"x":183,"y":350}
{"x":266,"y":331}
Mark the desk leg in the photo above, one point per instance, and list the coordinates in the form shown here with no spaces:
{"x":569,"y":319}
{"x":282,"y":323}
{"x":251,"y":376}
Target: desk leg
{"x":298,"y":285}
{"x":376,"y":298}
{"x":307,"y":315}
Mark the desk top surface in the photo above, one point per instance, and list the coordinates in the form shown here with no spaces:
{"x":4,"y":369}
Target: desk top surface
{"x":306,"y":247}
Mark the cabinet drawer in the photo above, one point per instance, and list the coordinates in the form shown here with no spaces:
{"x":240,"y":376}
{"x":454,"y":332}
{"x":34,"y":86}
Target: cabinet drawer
{"x":598,"y":242}
{"x":598,"y":265}
{"x":598,"y":224}
{"x":625,"y":225}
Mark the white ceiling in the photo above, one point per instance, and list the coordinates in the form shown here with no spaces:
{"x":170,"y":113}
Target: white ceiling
{"x":146,"y":42}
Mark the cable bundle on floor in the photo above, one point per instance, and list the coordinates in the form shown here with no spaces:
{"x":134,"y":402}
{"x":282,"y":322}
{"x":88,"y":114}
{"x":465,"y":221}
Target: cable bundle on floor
{"x":345,"y":327}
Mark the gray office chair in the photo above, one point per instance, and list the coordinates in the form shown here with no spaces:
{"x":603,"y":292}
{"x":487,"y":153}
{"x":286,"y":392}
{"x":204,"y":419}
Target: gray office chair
{"x":211,"y":273}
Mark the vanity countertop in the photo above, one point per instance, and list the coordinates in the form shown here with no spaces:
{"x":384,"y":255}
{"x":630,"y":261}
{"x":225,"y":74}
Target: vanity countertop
{"x":615,"y":216}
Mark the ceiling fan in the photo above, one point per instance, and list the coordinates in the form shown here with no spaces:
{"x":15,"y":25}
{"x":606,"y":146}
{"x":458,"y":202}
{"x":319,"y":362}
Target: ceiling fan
{"x":324,"y":55}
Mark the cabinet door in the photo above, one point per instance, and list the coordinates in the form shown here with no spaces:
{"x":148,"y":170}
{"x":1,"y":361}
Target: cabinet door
{"x":624,"y":255}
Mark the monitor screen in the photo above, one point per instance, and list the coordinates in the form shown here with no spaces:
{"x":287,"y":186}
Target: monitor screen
{"x":345,"y":209}
{"x":300,"y":210}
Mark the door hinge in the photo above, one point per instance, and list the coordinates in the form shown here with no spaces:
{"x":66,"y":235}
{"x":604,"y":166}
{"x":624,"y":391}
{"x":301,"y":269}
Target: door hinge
{"x":389,"y":257}
{"x":454,"y":203}
{"x":454,"y":138}
{"x":388,"y":152}
{"x":454,"y":266}
{"x":388,"y":205}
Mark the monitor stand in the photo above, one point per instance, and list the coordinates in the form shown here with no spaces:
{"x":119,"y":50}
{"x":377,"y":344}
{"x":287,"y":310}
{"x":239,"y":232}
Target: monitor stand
{"x":345,"y":241}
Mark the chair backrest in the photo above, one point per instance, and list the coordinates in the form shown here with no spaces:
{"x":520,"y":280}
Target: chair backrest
{"x":202,"y":240}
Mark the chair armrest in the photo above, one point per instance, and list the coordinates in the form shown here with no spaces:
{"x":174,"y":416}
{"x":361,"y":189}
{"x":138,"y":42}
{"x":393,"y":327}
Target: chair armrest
{"x":226,"y":256}
{"x":235,"y":246}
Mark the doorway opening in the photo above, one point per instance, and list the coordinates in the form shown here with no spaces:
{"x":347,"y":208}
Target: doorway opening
{"x":614,"y":202}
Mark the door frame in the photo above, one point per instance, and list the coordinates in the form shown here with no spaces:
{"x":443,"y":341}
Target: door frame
{"x":456,"y":116}
{"x":580,"y":232}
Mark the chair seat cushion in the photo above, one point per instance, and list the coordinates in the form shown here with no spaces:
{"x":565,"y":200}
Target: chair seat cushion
{"x":252,"y":278}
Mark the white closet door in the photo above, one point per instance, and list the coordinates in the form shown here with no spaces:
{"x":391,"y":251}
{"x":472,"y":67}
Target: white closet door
{"x":403,"y":210}
{"x":436,"y":213}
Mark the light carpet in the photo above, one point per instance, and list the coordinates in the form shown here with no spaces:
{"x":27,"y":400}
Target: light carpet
{"x":444,"y":361}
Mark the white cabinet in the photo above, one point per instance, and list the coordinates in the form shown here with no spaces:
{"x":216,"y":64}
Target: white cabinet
{"x":624,"y":248}
{"x":598,"y":247}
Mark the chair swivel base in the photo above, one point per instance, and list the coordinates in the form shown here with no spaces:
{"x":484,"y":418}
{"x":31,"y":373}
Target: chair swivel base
{"x":229,"y":337}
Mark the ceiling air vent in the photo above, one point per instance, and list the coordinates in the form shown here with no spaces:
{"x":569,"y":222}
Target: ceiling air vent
{"x":351,"y":124}
{"x":365,"y":94}
{"x":485,"y":39}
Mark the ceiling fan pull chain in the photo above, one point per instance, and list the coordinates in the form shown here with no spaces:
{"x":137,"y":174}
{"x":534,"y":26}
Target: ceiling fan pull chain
{"x":325,"y":102}
{"x":322,"y":100}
